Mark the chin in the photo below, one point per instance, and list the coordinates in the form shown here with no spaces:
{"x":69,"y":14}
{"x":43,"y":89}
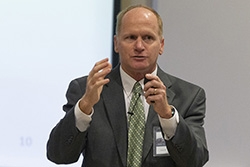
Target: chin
{"x":143,"y":69}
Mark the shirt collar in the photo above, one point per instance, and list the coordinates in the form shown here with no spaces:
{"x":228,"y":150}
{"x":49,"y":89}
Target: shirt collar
{"x":128,"y":82}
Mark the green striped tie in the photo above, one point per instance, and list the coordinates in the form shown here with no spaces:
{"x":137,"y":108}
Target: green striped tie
{"x":136,"y":128}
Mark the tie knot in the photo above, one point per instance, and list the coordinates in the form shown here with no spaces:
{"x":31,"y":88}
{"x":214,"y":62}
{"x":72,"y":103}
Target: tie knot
{"x":137,"y":88}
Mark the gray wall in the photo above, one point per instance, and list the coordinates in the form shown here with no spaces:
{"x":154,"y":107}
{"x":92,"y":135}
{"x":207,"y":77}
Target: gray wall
{"x":208,"y":43}
{"x":126,"y":3}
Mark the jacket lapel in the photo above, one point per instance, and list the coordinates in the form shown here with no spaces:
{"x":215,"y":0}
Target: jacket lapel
{"x":114,"y":103}
{"x":115,"y":107}
{"x":153,"y":119}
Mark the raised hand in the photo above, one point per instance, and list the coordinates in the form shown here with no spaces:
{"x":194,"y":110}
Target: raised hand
{"x":156,"y":95}
{"x":95,"y":81}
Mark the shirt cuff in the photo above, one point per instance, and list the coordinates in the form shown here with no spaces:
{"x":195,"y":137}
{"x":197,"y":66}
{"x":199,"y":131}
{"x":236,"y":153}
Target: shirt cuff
{"x":169,"y":125}
{"x":82,"y":120}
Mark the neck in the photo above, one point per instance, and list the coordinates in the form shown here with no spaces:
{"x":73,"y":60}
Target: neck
{"x":138,"y":75}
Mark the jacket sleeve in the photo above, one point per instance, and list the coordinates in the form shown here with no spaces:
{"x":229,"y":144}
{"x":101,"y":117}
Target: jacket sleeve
{"x":66,"y":142}
{"x":188,"y":147}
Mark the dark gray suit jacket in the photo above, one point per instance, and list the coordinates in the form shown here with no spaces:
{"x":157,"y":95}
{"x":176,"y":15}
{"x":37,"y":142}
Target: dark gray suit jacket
{"x":104,"y":144}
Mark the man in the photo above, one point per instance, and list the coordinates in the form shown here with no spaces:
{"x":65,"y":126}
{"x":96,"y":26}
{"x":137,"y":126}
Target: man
{"x":97,"y":121}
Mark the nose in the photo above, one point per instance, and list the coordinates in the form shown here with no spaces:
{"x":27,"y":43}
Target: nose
{"x":139,"y":45}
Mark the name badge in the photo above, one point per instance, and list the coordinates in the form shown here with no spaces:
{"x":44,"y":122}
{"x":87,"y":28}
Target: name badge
{"x":159,"y":145}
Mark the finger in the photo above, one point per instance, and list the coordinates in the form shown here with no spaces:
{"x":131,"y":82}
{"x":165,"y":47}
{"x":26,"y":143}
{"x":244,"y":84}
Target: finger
{"x":152,"y":84}
{"x":151,"y":77}
{"x":101,"y":82}
{"x":155,"y":94}
{"x":150,"y":92}
{"x":155,"y":82}
{"x":98,"y":79}
{"x":102,"y":61}
{"x":151,"y":99}
{"x":101,"y":74}
{"x":102,"y":64}
{"x":99,"y":66}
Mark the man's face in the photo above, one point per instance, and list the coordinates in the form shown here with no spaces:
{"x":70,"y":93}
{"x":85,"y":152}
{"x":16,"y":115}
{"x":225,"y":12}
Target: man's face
{"x":138,"y":42}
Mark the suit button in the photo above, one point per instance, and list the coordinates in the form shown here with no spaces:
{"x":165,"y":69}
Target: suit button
{"x":178,"y":147}
{"x":69,"y":140}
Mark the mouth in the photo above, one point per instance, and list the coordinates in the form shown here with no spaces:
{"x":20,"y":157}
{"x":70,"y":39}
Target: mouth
{"x":139,"y":57}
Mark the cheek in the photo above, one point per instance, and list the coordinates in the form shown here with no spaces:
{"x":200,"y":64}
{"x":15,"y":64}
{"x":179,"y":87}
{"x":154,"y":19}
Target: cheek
{"x":158,"y":50}
{"x":124,"y":49}
{"x":155,"y":51}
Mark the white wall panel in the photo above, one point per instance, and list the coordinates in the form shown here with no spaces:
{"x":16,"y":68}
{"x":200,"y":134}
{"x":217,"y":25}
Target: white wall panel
{"x":44,"y":44}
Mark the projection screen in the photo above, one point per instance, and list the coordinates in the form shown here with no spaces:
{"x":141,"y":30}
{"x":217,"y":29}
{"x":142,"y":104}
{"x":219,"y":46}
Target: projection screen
{"x":43,"y":46}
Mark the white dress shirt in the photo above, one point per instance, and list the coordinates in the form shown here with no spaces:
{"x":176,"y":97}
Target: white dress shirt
{"x":168,"y":125}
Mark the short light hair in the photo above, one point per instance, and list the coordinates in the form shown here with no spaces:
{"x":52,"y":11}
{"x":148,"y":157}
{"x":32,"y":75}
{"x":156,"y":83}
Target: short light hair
{"x":123,"y":12}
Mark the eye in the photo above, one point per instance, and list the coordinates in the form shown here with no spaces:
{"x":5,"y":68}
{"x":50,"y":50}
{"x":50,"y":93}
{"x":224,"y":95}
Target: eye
{"x":148,"y":38}
{"x":130,"y":38}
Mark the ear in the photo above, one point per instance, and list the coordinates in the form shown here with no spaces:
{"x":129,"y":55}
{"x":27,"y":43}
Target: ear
{"x":116,"y":44}
{"x":161,"y":46}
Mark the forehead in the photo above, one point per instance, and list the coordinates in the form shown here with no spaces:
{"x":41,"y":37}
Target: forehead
{"x":139,"y":18}
{"x":139,"y":13}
